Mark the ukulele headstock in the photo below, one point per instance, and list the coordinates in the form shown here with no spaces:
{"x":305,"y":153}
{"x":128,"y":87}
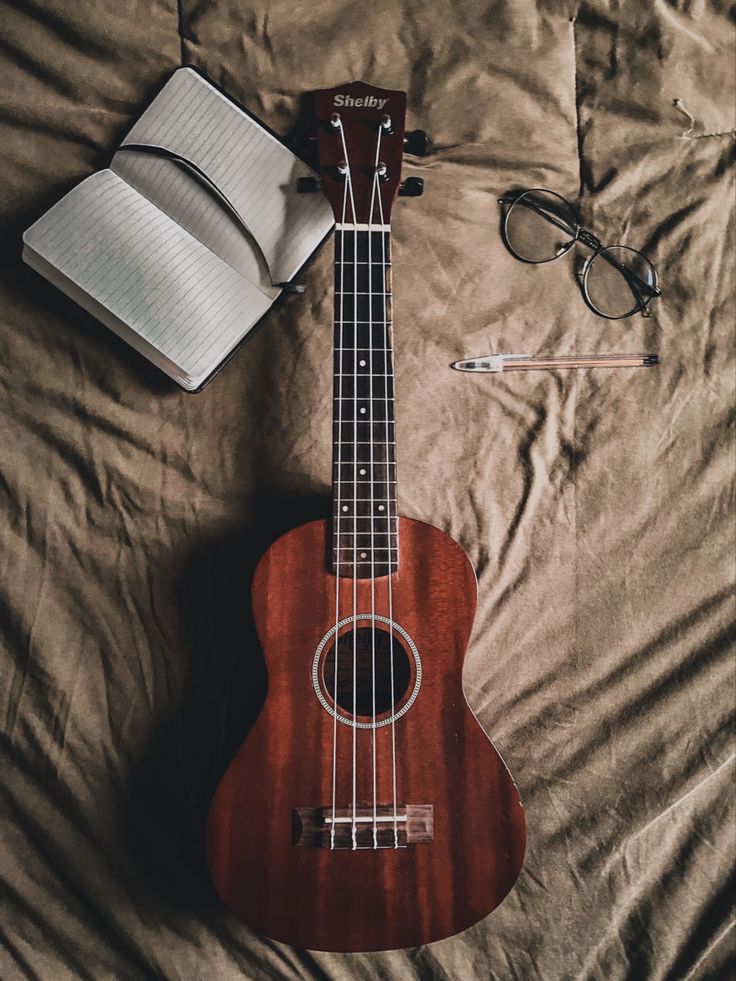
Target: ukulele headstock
{"x":361,"y":140}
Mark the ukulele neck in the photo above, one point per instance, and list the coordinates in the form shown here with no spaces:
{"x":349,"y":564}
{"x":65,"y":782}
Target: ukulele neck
{"x":365,"y":525}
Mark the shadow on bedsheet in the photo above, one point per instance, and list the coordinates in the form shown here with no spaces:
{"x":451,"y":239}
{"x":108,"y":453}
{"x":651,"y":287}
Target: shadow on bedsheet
{"x":222,"y":690}
{"x":222,"y":680}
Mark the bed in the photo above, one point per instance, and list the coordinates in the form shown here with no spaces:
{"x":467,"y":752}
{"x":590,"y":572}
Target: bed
{"x":596,"y":506}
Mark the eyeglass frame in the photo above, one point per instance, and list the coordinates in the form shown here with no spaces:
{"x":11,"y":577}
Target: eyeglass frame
{"x":592,"y":241}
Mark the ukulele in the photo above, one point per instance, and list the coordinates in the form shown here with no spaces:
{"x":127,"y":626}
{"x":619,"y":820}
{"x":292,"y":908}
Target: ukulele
{"x":366,"y":809}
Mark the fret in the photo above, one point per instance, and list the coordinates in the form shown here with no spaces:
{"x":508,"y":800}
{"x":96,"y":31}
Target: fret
{"x":362,"y":554}
{"x":363,"y":427}
{"x":353,"y":474}
{"x":358,"y":500}
{"x":363,"y":387}
{"x":364,"y":411}
{"x":365,"y":391}
{"x":372,"y":308}
{"x":364,"y":400}
{"x":348,"y":531}
{"x":369,"y":277}
{"x":376,"y":362}
{"x":365,"y":551}
{"x":379,"y":458}
{"x":382,"y":516}
{"x":363,"y":465}
{"x":367,"y":569}
{"x":382,"y":502}
{"x":382,"y":443}
{"x":361,"y":245}
{"x":378,"y":535}
{"x":382,"y":562}
{"x":378,"y":563}
{"x":362,"y":335}
{"x":381,"y":492}
{"x":380,"y":437}
{"x":377,"y":461}
{"x":362,"y":541}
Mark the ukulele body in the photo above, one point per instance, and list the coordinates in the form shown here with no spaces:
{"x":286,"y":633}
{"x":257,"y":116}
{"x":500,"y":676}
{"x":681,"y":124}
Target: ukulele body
{"x":454,"y":798}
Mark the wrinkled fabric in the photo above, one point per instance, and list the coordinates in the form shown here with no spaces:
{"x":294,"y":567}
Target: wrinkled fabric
{"x":597,"y":506}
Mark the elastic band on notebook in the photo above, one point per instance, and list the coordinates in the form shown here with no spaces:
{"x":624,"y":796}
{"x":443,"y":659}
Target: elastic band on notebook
{"x":161,"y":151}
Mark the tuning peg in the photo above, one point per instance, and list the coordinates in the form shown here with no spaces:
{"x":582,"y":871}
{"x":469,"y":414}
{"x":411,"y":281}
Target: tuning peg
{"x":416,"y":142}
{"x":307,"y":185}
{"x":412,"y":187}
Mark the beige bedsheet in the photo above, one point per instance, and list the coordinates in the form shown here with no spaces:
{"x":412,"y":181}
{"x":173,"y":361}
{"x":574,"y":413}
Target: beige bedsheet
{"x":597,"y":506}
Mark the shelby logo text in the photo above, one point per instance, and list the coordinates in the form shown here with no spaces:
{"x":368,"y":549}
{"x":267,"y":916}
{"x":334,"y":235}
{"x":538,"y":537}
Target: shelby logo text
{"x":369,"y":101}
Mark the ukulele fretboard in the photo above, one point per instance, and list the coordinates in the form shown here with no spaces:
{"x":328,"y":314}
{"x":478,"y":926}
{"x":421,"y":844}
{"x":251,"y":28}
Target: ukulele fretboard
{"x":365,"y":539}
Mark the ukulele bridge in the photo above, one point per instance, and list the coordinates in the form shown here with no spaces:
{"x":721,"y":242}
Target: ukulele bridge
{"x":384,"y":826}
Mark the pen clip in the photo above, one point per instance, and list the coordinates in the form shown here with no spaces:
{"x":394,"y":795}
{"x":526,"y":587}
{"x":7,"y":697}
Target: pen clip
{"x":490,"y":362}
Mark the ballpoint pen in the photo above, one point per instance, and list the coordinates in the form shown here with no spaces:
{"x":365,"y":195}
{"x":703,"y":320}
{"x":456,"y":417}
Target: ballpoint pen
{"x":525,"y":362}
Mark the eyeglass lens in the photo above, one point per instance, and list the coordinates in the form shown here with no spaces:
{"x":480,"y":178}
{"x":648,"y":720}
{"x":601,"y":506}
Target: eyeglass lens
{"x":619,"y":281}
{"x":540,"y":225}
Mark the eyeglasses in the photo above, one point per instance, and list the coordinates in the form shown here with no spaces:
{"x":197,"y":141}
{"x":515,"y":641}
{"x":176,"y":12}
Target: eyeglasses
{"x":540,"y":225}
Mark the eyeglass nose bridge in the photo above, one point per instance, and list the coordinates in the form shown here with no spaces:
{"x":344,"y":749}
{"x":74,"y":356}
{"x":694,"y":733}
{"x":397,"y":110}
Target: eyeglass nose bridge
{"x":589,"y":239}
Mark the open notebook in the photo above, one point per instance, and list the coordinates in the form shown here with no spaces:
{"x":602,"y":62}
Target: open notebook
{"x":181,"y":247}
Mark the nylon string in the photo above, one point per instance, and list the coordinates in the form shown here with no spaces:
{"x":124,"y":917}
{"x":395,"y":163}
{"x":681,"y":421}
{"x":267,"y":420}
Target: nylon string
{"x":371,"y":474}
{"x":340,"y":351}
{"x":349,"y":186}
{"x":387,"y":346}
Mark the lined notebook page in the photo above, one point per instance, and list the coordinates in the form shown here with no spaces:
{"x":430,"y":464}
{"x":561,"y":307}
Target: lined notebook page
{"x":255,"y":172}
{"x":183,"y":197}
{"x":121,"y":250}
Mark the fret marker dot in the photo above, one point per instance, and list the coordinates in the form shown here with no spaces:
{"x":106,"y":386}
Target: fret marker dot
{"x":362,"y":472}
{"x":344,"y":507}
{"x":362,"y":411}
{"x":364,"y":555}
{"x":362,"y":364}
{"x":381,"y":507}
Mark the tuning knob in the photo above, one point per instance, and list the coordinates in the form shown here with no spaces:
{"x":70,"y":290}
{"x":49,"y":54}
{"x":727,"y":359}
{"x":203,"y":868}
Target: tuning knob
{"x":416,"y":142}
{"x":307,"y":185}
{"x":412,"y":187}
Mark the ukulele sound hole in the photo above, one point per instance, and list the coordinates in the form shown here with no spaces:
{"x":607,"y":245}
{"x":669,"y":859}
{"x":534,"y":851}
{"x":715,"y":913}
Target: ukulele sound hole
{"x":356,"y":646}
